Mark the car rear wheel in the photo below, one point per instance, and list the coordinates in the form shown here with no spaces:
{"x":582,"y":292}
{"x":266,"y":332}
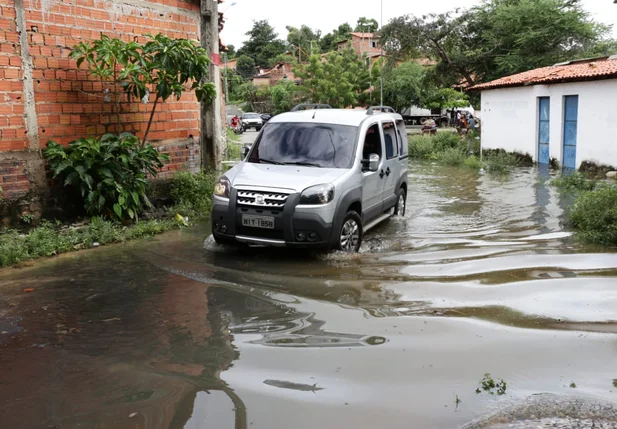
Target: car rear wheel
{"x":401,"y":203}
{"x":350,"y":236}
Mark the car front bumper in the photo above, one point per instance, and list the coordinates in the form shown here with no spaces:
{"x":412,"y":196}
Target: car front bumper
{"x":293,"y":226}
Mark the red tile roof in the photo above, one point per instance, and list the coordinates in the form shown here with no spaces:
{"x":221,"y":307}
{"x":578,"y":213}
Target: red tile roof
{"x":572,"y":71}
{"x":363,"y":35}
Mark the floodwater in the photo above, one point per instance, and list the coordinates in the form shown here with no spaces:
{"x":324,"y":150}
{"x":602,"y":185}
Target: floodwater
{"x":478,"y":277}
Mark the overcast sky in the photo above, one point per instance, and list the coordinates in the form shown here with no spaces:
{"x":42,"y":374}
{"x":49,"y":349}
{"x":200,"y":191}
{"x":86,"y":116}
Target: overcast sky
{"x":326,"y":15}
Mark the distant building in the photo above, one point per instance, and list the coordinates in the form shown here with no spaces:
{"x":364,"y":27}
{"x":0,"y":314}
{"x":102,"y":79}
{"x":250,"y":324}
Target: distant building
{"x":362,"y":43}
{"x":566,"y":112}
{"x":274,"y":75}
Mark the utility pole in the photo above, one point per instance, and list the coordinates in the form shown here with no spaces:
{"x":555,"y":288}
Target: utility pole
{"x":225,"y":76}
{"x":211,"y":114}
{"x":381,"y":59}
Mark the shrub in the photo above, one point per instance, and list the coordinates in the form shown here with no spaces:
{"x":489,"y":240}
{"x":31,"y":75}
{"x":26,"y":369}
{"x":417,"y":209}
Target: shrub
{"x":574,"y":182}
{"x":192,"y":193}
{"x":452,"y":157}
{"x":473,"y":162}
{"x":109,"y":173}
{"x":500,"y":162}
{"x":421,"y":147}
{"x":444,"y":140}
{"x":594,"y":215}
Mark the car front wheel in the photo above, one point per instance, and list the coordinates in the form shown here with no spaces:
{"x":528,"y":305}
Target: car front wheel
{"x":350,"y":236}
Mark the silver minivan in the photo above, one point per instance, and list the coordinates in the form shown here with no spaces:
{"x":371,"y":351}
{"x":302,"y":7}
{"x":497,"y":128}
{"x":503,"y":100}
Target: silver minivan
{"x":315,"y":178}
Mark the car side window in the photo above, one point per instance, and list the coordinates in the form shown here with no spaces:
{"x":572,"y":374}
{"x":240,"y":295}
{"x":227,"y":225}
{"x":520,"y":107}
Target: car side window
{"x":372,"y":142}
{"x":389,"y":134}
{"x":401,"y":131}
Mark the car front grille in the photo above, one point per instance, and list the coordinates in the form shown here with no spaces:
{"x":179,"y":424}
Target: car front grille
{"x":270,"y":200}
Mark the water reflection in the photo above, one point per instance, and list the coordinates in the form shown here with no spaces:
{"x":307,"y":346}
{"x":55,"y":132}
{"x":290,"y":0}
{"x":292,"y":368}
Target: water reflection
{"x":133,"y":349}
{"x":480,"y":275}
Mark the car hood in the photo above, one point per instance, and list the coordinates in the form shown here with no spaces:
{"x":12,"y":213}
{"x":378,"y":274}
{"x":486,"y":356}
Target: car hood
{"x":292,"y":177}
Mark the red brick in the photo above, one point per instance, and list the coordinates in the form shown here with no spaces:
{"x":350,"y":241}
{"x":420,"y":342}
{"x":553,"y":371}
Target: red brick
{"x":15,"y":61}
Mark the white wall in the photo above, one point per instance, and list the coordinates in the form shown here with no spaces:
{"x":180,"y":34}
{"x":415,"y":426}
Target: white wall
{"x":510,"y":120}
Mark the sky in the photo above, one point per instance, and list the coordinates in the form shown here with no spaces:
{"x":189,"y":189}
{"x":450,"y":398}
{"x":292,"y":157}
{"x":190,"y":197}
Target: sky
{"x":326,"y":15}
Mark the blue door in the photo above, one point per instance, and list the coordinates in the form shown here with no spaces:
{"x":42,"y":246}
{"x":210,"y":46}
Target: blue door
{"x":544,"y":131}
{"x":570,"y":131}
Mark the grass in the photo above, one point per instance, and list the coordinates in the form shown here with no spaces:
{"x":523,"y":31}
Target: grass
{"x":451,"y":150}
{"x":233,"y":151}
{"x":500,"y":162}
{"x":473,"y":162}
{"x":191,"y":195}
{"x":453,"y":157}
{"x":49,"y":239}
{"x":575,"y":182}
{"x":594,"y":215}
{"x":491,"y":386}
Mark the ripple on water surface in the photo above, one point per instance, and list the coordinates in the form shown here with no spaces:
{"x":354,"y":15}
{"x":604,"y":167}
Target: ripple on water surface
{"x":177,"y":332}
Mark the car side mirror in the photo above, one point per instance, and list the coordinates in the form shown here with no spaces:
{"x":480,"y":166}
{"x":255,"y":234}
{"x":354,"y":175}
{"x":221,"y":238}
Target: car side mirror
{"x":373,"y":162}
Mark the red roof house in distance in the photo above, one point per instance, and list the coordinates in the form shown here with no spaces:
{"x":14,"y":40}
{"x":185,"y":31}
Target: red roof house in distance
{"x":566,"y":112}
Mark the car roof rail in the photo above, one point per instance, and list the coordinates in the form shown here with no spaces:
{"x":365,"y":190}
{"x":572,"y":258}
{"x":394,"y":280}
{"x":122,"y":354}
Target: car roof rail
{"x":383,"y":109}
{"x":310,"y":107}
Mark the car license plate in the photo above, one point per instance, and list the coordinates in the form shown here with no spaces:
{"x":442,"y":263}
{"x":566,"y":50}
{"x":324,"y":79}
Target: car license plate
{"x":266,"y":222}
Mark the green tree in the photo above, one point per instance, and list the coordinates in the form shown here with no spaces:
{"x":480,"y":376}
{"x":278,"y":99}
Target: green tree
{"x":303,"y":40}
{"x":498,"y":37}
{"x":284,"y":96}
{"x":231,"y":51}
{"x":245,"y":66}
{"x":340,"y":80}
{"x":403,"y":85}
{"x":330,"y":41}
{"x":263,"y":44}
{"x":444,"y":98}
{"x":168,"y":65}
{"x":366,"y":25}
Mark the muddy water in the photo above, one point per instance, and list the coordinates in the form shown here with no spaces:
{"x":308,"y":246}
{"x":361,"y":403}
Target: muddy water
{"x":479,"y":277}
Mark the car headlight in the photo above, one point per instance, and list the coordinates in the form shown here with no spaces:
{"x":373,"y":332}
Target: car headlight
{"x":222,"y":187}
{"x":320,"y":194}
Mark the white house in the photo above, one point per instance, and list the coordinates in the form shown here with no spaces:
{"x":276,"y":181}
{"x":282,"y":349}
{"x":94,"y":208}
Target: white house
{"x":567,"y":112}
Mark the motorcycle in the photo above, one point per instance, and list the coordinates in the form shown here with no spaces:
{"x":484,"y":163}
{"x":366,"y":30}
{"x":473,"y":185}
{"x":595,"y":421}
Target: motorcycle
{"x":238,"y":128}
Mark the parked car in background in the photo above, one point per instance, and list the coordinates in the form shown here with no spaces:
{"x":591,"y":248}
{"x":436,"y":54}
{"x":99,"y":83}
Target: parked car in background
{"x":252,"y":120}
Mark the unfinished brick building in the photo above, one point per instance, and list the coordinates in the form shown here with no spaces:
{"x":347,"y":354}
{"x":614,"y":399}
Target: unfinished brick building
{"x":45,"y":96}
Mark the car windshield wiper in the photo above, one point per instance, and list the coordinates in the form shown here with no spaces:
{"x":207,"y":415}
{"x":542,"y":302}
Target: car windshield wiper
{"x":269,"y":161}
{"x":303,"y":164}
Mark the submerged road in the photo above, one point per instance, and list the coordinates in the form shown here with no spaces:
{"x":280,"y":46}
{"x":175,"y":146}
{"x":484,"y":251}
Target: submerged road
{"x":174,"y":332}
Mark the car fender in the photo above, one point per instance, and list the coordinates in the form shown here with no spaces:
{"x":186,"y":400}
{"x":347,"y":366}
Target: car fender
{"x":350,"y":196}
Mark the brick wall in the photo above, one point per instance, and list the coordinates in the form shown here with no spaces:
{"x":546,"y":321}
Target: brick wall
{"x":44,"y":96}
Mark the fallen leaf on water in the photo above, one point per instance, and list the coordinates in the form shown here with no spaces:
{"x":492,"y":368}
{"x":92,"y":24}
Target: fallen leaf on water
{"x":29,"y":289}
{"x":113,"y":319}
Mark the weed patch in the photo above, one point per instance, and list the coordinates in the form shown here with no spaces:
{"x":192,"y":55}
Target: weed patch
{"x":594,"y":215}
{"x":51,"y":239}
{"x":473,"y":162}
{"x":487,"y":384}
{"x":421,"y":147}
{"x":500,"y":162}
{"x":453,"y":157}
{"x":192,"y":193}
{"x":574,"y":183}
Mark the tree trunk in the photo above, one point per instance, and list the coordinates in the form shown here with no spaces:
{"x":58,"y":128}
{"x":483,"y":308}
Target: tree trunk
{"x":156,"y":101}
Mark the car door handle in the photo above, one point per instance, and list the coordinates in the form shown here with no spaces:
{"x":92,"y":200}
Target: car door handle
{"x":381,"y":174}
{"x":388,"y":172}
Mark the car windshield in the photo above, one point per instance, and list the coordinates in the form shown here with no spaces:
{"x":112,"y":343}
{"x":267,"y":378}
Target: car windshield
{"x":251,"y":116}
{"x":308,"y":144}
